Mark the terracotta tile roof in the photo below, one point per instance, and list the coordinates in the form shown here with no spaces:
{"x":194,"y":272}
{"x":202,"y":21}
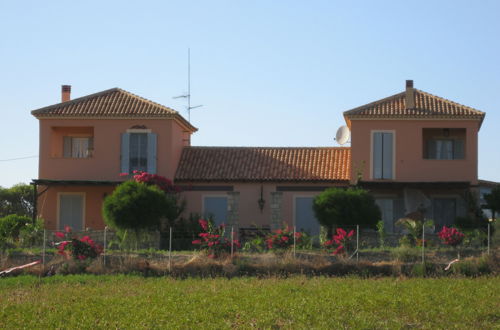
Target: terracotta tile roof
{"x":264,"y":164}
{"x":426,"y":106}
{"x":111,"y":103}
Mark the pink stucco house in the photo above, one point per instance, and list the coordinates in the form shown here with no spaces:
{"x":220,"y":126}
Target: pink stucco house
{"x":413,"y":151}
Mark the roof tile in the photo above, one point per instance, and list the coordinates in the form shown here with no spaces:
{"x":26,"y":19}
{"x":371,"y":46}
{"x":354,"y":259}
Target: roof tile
{"x":273,"y":164}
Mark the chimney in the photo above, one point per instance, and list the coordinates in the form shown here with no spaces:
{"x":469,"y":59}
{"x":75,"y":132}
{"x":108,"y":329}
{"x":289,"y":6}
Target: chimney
{"x":65,"y":93}
{"x":410,"y":95}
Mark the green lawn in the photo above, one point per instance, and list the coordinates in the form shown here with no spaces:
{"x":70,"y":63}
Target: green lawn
{"x":88,"y":301}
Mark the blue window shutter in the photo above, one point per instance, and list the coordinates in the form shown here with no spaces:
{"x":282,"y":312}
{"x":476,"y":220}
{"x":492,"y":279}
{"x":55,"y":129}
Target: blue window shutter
{"x":387,"y":156}
{"x":377,"y":155}
{"x":152,"y":153}
{"x":125,"y":154}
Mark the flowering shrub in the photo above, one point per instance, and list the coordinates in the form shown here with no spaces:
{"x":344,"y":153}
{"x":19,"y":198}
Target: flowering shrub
{"x":78,"y":248}
{"x":339,"y":242}
{"x":282,"y":238}
{"x":212,"y":239}
{"x":451,"y":236}
{"x":154,"y":179}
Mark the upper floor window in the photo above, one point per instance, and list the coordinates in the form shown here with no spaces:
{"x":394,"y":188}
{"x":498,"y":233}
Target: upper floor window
{"x":78,"y":147}
{"x":444,"y":143}
{"x":383,"y":155}
{"x":138,"y":151}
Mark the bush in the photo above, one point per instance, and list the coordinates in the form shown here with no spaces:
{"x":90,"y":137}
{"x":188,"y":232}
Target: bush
{"x":213,"y":241}
{"x":137,"y":206}
{"x":282,"y":239}
{"x":337,"y":207}
{"x":406,"y":254}
{"x":10,"y":226}
{"x":31,"y":234}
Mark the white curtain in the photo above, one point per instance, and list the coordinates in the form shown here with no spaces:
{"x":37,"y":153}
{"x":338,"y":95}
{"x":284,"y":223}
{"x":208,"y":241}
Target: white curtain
{"x":79,"y":147}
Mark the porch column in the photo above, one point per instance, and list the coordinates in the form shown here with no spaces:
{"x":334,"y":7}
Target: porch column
{"x":233,"y":209}
{"x":276,"y":212}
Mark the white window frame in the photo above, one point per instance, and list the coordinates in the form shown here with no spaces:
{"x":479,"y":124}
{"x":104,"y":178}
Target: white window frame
{"x":59,"y":194}
{"x":372,"y":133}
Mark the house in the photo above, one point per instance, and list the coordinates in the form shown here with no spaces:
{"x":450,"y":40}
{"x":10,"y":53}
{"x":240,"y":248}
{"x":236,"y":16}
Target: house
{"x":414,"y":151}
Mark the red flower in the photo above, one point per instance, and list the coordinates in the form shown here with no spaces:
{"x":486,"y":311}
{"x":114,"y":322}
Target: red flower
{"x":339,"y":249}
{"x":350,"y":233}
{"x":67,"y":229}
{"x":59,"y":234}
{"x":197,"y":241}
{"x":203,"y":224}
{"x":82,"y":257}
{"x":123,"y":174}
{"x":203,"y":234}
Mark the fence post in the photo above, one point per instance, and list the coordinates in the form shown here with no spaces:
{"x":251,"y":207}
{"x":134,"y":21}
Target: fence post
{"x":423,"y":243}
{"x":232,"y":241}
{"x":489,"y":234}
{"x":105,"y":246}
{"x":170,"y":251}
{"x":357,"y":243}
{"x":294,"y":241}
{"x":43,"y":249}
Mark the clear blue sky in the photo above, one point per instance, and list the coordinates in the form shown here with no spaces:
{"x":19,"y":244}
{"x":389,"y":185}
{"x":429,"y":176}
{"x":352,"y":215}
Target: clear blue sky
{"x":269,"y":73}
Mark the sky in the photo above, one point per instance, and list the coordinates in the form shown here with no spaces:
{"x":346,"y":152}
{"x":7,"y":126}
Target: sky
{"x":268,"y":73}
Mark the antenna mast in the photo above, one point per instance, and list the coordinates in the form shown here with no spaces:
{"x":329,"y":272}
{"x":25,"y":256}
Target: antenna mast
{"x":188,"y":95}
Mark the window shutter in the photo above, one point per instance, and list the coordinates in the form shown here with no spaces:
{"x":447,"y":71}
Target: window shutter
{"x":387,"y":141}
{"x":152,"y":153}
{"x":67,"y":147}
{"x":377,"y":155}
{"x":125,"y":153}
{"x":458,"y":149}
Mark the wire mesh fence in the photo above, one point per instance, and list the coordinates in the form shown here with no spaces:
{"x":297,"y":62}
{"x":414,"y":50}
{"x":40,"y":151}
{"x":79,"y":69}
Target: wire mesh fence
{"x":346,"y":244}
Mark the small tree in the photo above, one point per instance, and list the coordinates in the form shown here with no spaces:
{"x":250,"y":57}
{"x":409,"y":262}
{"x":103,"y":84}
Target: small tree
{"x":137,"y":206}
{"x":17,"y":199}
{"x":336,"y":207}
{"x":493,"y":201}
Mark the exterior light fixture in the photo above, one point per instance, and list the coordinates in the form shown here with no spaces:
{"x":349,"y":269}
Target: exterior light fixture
{"x":261,"y":200}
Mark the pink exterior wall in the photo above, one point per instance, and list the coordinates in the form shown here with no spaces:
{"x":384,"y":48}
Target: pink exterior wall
{"x":105,"y":162}
{"x":410,"y":165}
{"x":94,"y":196}
{"x":249,"y":211}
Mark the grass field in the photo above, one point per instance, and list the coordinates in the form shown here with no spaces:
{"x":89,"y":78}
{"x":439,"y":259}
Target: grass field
{"x":86,"y":301}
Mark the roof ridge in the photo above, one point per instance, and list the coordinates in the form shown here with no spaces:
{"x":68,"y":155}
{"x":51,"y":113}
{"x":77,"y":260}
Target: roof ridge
{"x":385,"y":99}
{"x":449,"y":101}
{"x":78,"y":99}
{"x":104,"y":92}
{"x":146,"y":100}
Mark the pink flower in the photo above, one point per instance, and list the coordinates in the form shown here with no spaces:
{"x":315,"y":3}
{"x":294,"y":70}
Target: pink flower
{"x":339,"y":249}
{"x":123,"y":174}
{"x":197,"y":241}
{"x":67,"y":229}
{"x":59,"y":234}
{"x":203,"y":234}
{"x":350,"y":233}
{"x":82,"y":257}
{"x":203,"y":224}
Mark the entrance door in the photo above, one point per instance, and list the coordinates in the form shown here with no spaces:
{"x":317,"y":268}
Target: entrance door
{"x":71,"y":211}
{"x":304,"y":216}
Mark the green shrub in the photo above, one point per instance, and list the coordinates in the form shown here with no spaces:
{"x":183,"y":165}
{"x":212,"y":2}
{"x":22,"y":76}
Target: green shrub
{"x":31,"y":234}
{"x":11,"y":225}
{"x":137,"y":206}
{"x":336,"y":207}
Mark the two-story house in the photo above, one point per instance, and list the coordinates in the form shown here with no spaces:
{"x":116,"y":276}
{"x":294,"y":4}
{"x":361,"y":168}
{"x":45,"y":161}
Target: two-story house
{"x":413,"y":151}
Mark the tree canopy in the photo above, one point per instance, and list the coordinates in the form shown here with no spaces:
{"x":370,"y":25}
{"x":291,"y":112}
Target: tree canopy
{"x":16,"y":200}
{"x":337,"y":207}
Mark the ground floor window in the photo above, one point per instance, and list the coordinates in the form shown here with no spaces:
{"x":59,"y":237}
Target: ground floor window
{"x":215,"y":207}
{"x":444,"y":212}
{"x":71,"y":209}
{"x":304,"y":218}
{"x":391,"y":209}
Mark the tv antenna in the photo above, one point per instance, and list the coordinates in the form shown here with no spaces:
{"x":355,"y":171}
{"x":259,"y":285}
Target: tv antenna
{"x":343,"y":135}
{"x":188,"y":94}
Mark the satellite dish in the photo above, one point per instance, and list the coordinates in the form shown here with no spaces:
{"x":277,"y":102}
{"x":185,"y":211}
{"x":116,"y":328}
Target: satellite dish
{"x":343,"y":135}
